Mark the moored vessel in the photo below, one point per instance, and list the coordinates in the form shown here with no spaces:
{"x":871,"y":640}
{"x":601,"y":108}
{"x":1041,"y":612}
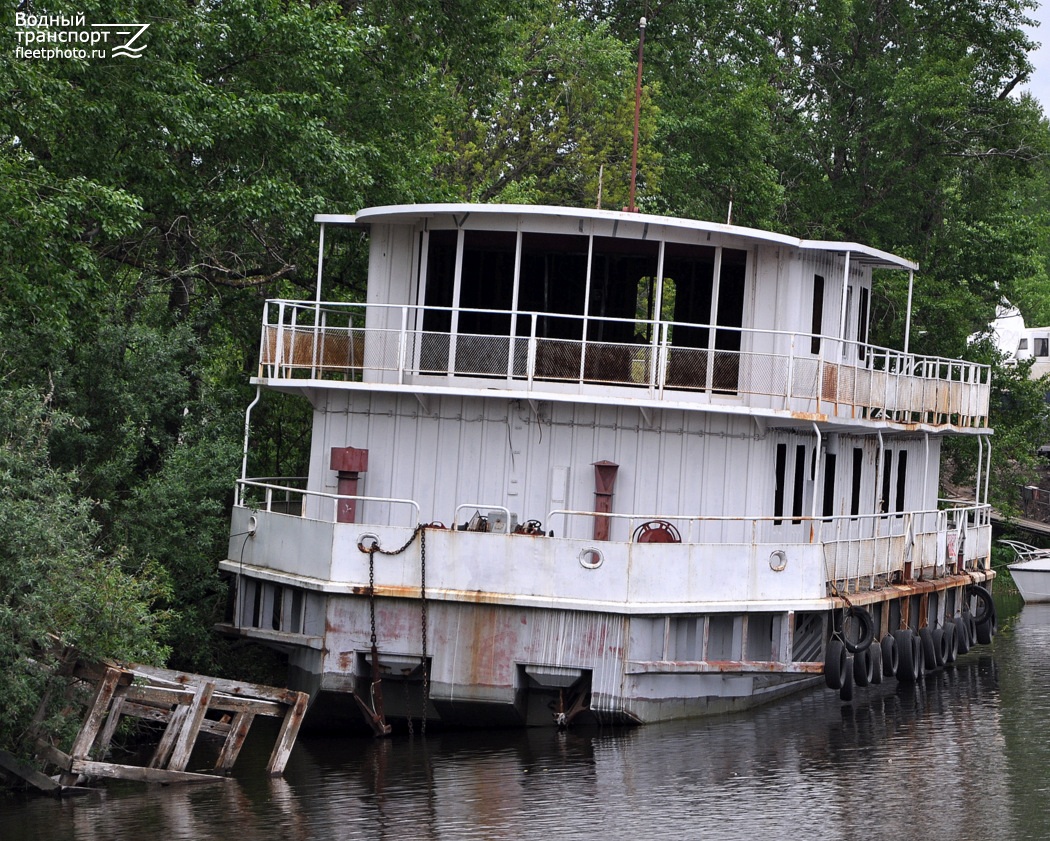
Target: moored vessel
{"x":575,"y":465}
{"x":1030,"y":572}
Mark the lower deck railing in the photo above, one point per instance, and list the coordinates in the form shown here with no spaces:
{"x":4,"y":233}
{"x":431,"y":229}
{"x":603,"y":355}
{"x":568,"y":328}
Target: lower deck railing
{"x":859,"y":552}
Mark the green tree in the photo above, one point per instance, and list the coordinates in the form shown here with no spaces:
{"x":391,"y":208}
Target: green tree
{"x":57,"y":589}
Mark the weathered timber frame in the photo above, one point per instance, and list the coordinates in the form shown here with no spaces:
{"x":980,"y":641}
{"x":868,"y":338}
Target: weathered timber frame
{"x":181,"y":701}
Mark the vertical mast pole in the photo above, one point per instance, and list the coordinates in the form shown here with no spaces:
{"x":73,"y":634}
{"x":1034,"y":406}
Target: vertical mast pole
{"x":637,"y":115}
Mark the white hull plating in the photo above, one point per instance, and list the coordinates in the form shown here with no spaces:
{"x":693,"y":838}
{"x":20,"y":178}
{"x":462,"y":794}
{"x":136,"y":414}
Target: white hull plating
{"x":1032,"y":579}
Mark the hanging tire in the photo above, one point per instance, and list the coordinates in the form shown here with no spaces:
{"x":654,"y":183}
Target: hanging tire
{"x":984,"y":632}
{"x":907,"y":663}
{"x":953,"y":642}
{"x":834,"y":664}
{"x":865,"y":629}
{"x":971,"y":629}
{"x":929,"y":649}
{"x":985,"y":606}
{"x":962,"y":635}
{"x":889,"y":656}
{"x":941,"y":643}
{"x":846,"y":690}
{"x":862,"y":667}
{"x":876,"y":663}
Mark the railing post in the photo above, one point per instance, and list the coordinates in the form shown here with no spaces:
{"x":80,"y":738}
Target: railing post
{"x":316,"y":346}
{"x":279,"y":344}
{"x":661,"y":360}
{"x":402,"y":346}
{"x":531,"y":363}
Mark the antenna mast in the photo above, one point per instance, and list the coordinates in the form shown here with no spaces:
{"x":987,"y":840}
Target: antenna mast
{"x":637,"y":115}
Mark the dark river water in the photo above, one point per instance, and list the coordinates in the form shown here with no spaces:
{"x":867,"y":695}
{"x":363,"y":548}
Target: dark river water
{"x":963,"y":755}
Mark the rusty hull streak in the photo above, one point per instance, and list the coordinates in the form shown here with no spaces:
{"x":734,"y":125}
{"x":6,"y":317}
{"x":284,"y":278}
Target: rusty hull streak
{"x":725,"y":666}
{"x":819,"y":417}
{"x":914,"y":588}
{"x":473,"y":596}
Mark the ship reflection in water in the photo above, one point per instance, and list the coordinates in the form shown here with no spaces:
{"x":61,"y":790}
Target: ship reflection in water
{"x":961,"y":755}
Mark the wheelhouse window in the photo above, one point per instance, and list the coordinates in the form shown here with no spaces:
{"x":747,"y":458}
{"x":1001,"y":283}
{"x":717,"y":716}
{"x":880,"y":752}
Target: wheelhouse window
{"x":576,"y":307}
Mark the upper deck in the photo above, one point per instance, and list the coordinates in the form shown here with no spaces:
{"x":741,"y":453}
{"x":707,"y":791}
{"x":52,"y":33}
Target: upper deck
{"x":597,"y":306}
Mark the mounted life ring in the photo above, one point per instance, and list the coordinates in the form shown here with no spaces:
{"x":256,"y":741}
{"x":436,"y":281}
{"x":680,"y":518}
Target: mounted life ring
{"x":656,"y":531}
{"x":866,"y":631}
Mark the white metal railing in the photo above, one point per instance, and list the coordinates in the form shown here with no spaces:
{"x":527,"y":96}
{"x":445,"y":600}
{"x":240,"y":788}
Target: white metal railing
{"x":859,"y":551}
{"x":665,"y":360}
{"x":284,"y":494}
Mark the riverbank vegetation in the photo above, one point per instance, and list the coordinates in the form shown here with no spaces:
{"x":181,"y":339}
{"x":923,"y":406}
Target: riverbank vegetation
{"x":149,"y":206}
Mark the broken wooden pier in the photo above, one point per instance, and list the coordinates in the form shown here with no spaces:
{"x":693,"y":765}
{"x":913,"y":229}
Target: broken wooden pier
{"x":188,"y":705}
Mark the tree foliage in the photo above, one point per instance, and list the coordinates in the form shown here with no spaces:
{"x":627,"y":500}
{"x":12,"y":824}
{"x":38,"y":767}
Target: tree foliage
{"x":57,"y":588}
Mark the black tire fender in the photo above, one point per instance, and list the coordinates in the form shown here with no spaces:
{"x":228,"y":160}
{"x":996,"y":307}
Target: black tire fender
{"x":929,"y":648}
{"x":962,"y":635}
{"x":941,"y":643}
{"x":984,"y":632}
{"x":862,"y":667}
{"x":876,"y":663}
{"x":907,"y":667}
{"x":834,"y":664}
{"x":985,"y":606}
{"x":889,"y":656}
{"x":953,"y":641}
{"x":846,"y":690}
{"x":867,"y":629}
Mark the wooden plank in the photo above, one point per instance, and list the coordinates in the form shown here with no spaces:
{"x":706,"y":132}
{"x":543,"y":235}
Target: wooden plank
{"x":171,"y":735}
{"x":146,"y":711}
{"x":159,"y":695}
{"x":140,"y":773}
{"x":115,"y":711}
{"x":234,"y":741}
{"x":54,"y":755}
{"x":286,"y":738}
{"x":168,"y":695}
{"x":225,"y":687}
{"x":180,"y":757}
{"x":13,"y":765}
{"x":92,"y":722}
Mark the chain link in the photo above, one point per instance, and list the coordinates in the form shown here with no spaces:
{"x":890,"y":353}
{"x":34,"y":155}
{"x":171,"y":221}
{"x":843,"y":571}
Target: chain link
{"x":423,"y":625}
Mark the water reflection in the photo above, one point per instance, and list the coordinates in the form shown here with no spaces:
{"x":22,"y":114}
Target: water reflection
{"x":962,"y":755}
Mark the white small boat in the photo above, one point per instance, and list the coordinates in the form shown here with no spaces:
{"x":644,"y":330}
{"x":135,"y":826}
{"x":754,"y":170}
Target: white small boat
{"x":1031,"y":573}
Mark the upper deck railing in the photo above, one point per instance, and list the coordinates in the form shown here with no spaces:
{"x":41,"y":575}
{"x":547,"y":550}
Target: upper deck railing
{"x":550,"y":353}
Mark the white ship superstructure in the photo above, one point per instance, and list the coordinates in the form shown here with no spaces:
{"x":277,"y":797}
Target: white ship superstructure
{"x":577,"y":463}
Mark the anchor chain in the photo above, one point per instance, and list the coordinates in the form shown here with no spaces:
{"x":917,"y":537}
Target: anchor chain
{"x":375,"y":714}
{"x":423,"y":627}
